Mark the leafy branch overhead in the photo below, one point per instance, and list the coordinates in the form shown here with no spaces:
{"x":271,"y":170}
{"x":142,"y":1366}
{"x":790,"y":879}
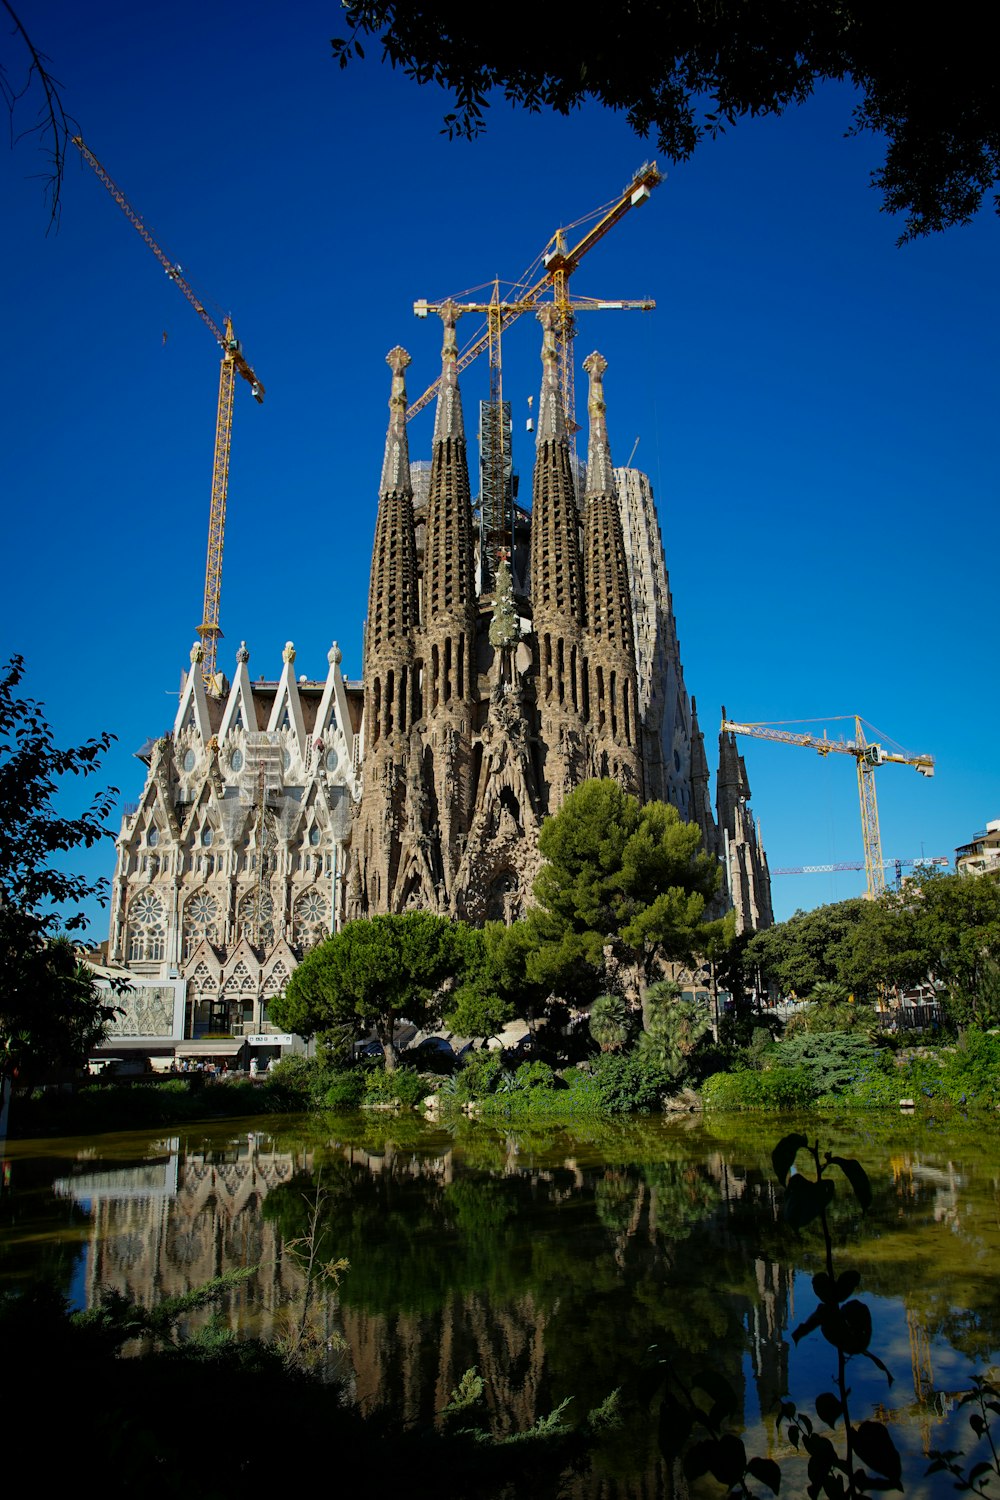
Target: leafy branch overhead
{"x":926,"y":83}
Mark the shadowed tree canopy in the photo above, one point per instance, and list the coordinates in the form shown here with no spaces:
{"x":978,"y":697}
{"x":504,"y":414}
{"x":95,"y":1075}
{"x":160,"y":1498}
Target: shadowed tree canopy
{"x":371,"y":974}
{"x":926,"y":81}
{"x":49,"y":1011}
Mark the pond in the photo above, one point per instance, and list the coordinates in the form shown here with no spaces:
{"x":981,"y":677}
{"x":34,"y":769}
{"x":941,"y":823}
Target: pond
{"x":551,"y":1260}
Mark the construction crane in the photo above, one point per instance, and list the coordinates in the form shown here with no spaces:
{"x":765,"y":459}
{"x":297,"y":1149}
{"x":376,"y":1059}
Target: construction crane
{"x":496,"y":499}
{"x":233,"y":363}
{"x":887,"y":864}
{"x":868,"y":755}
{"x":556,"y":265}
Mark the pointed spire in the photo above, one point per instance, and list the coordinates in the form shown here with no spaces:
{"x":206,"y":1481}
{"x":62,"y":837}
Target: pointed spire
{"x":551,"y":416}
{"x":448,"y":421}
{"x":396,"y":465}
{"x":699,"y":760}
{"x":600,"y":472}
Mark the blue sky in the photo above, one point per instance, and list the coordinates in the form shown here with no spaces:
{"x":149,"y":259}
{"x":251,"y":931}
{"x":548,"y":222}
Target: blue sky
{"x":815,"y":407}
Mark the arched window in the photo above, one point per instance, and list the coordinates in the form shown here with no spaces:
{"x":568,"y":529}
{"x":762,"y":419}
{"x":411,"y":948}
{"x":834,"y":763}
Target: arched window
{"x":257,"y":928}
{"x":145,"y":928}
{"x":201,"y":921}
{"x":310,"y":918}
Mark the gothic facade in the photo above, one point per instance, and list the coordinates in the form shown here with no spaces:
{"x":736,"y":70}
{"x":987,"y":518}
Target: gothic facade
{"x":500,"y":671}
{"x":497,"y":681}
{"x":230,"y":866}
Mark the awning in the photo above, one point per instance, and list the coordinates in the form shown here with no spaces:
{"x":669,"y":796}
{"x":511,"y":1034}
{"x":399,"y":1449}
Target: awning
{"x":116,"y":1045}
{"x":212,"y":1047}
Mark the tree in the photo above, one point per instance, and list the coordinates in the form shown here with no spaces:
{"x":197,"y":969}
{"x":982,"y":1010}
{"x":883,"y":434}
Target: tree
{"x":957,"y":920}
{"x":682,"y":71}
{"x":618,"y":876}
{"x":610,"y":1022}
{"x":49,"y":1011}
{"x":798,"y":954}
{"x":372,"y":973}
{"x":482,"y":1002}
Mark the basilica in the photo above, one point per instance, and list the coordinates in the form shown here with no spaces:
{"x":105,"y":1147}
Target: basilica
{"x":510,"y":654}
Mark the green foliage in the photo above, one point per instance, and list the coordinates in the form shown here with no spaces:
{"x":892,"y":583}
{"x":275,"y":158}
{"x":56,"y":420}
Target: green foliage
{"x":611,"y":1022}
{"x":489,"y":983}
{"x":304,"y":1080}
{"x":371,"y":974}
{"x":832,"y":1060}
{"x":345,"y":1090}
{"x":673,"y":1030}
{"x":534,"y":1075}
{"x":776,"y":1089}
{"x":616,"y":872}
{"x":959,"y":925}
{"x":801,"y":953}
{"x":944,"y":928}
{"x":841,"y":1016}
{"x":50,"y":1012}
{"x":479,"y":1076}
{"x":694,"y":71}
{"x":629,"y":1084}
{"x":403,"y":1086}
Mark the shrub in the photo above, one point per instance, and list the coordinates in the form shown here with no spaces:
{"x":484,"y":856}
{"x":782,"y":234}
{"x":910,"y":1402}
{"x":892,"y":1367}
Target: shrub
{"x":402,"y":1086}
{"x":480,"y":1075}
{"x":629,"y":1083}
{"x":833,"y":1060}
{"x":534,"y":1075}
{"x":346,"y":1090}
{"x":780,"y":1088}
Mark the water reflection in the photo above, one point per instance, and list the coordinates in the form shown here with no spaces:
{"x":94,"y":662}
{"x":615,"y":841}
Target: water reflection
{"x":550,"y":1260}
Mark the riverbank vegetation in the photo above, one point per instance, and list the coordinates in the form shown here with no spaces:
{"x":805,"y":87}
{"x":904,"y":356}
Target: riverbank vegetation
{"x":635,"y":994}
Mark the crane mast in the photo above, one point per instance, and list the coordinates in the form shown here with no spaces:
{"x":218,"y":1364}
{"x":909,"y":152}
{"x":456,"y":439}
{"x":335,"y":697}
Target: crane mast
{"x":233,"y":363}
{"x":868,"y":755}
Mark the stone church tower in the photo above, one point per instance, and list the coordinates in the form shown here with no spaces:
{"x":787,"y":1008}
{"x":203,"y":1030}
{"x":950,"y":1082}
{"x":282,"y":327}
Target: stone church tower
{"x":482,"y":712}
{"x":275,"y":809}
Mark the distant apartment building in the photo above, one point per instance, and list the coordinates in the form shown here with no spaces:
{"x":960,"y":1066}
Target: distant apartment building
{"x":982,"y":853}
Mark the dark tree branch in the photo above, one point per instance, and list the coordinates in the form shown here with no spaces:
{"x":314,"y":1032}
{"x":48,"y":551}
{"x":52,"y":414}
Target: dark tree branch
{"x":53,"y":125}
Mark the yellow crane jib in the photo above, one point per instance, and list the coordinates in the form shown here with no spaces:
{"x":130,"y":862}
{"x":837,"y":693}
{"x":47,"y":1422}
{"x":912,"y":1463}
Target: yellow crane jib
{"x":868,"y":756}
{"x":557,"y":264}
{"x":233,"y":363}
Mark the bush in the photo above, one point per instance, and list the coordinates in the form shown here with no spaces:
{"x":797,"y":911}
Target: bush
{"x":780,"y":1088}
{"x":480,"y":1075}
{"x":534,"y":1075}
{"x":402,"y":1086}
{"x":633,"y":1083}
{"x":346,"y":1090}
{"x":833,"y":1060}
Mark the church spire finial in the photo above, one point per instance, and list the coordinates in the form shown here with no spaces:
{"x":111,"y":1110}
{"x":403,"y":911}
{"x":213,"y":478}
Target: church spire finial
{"x":448,"y":421}
{"x":396,"y":465}
{"x":600,"y":473}
{"x":551,"y":416}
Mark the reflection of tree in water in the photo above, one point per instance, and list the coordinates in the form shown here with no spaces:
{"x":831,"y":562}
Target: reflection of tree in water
{"x":551,"y":1277}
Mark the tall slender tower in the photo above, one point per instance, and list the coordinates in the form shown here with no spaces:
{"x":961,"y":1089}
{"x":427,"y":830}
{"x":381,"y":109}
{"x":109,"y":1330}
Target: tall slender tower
{"x":609,"y":681}
{"x":390,"y":680}
{"x":557,"y":588}
{"x":449,"y":619}
{"x":747,"y":875}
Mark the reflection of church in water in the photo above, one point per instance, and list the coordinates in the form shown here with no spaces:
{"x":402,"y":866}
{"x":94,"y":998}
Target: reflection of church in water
{"x":495,"y":1294}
